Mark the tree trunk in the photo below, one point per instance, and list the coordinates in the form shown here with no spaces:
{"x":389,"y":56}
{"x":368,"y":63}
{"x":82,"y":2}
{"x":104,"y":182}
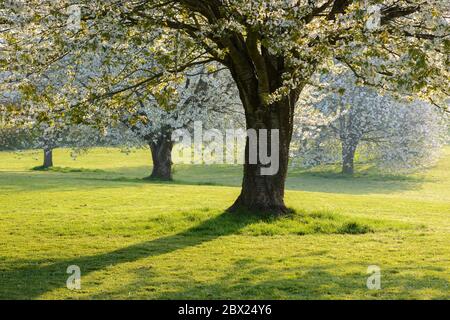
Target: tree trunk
{"x":161,"y":150}
{"x":264,"y":194}
{"x":348,"y":156}
{"x":48,"y":158}
{"x":258,"y":73}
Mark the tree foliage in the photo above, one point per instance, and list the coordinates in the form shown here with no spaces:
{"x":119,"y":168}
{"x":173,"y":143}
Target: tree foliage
{"x":339,"y":119}
{"x":271,"y":47}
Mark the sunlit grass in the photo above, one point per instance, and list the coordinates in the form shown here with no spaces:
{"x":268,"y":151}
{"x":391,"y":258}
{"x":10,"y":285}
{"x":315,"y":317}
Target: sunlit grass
{"x":138,"y":239}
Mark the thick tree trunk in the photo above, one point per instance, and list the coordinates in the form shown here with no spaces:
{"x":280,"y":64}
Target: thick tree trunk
{"x":348,"y":156}
{"x":265,"y":193}
{"x":48,"y":158}
{"x":258,"y":74}
{"x":161,"y":150}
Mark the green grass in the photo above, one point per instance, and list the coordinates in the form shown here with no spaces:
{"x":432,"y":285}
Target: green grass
{"x":137,"y":239}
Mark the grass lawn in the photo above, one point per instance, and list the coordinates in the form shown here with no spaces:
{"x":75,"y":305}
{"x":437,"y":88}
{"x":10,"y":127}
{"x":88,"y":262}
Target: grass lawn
{"x":134,"y":239}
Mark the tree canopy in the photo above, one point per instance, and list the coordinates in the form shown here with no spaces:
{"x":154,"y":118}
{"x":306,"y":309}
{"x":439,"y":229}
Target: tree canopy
{"x":271,"y":47}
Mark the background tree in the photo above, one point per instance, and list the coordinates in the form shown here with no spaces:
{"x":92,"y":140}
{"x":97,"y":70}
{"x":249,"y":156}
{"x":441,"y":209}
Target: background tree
{"x":33,"y":114}
{"x":396,"y":134}
{"x":209,"y":97}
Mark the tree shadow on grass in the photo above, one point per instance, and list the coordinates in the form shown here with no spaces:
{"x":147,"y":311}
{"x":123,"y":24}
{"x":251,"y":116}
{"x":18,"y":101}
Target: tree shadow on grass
{"x":35,"y":279}
{"x":226,"y":176}
{"x":317,"y":282}
{"x":359,"y":184}
{"x":261,"y":279}
{"x":299,"y":180}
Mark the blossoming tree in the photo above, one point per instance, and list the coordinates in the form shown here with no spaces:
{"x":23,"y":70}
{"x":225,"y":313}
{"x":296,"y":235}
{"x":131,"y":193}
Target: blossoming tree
{"x":333,"y":121}
{"x":205,"y":96}
{"x":271,"y":47}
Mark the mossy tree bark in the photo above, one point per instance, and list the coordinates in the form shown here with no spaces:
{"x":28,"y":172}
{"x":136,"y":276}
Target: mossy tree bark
{"x":161,"y":151}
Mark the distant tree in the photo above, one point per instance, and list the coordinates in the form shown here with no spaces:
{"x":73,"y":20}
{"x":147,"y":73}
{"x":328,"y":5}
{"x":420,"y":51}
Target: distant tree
{"x":416,"y":142}
{"x":34,"y":120}
{"x":209,"y":97}
{"x":336,"y":119}
{"x":49,"y":137}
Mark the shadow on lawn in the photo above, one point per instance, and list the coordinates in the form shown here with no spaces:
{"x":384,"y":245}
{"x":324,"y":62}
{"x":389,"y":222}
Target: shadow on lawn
{"x":256,"y":279}
{"x":247,"y":278}
{"x":300,"y":180}
{"x":34,"y":280}
{"x":325,"y":182}
{"x":314,"y":282}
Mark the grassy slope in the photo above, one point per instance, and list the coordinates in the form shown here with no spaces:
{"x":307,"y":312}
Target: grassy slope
{"x":134,"y":239}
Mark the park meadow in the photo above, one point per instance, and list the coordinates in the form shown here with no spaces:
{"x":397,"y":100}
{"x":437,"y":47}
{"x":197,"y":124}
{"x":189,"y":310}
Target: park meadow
{"x":138,"y":239}
{"x":223,"y":151}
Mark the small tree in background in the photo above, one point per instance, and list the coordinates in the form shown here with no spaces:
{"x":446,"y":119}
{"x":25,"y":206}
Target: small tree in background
{"x":339,"y":118}
{"x":202,"y":96}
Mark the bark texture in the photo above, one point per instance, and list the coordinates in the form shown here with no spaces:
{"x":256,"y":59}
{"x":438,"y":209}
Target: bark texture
{"x":161,"y":150}
{"x":348,"y":157}
{"x":264,"y":193}
{"x":48,"y":158}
